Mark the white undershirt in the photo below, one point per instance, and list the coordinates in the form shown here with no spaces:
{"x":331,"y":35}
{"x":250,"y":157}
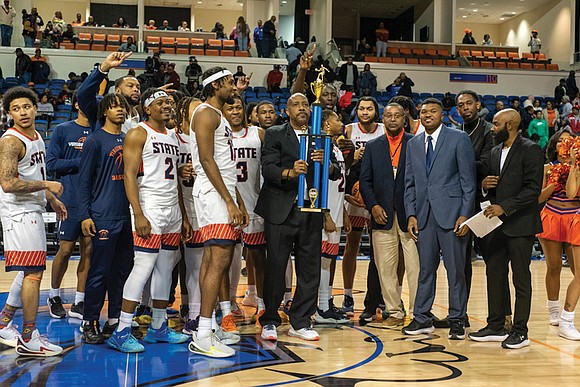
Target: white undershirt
{"x":504,"y":155}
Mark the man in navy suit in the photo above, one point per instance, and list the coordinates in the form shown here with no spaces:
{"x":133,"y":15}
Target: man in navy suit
{"x":440,"y":185}
{"x":382,"y":185}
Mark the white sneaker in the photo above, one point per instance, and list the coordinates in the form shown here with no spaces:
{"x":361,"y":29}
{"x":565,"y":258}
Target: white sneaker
{"x":227,"y":338}
{"x":37,"y":346}
{"x":250,"y":299}
{"x":307,"y":334}
{"x":554,"y":315}
{"x":269,"y":332}
{"x":209,"y":345}
{"x":567,"y":330}
{"x":9,"y":335}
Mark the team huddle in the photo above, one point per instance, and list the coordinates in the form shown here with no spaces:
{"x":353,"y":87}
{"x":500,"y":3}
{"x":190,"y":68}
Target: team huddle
{"x":156,"y":187}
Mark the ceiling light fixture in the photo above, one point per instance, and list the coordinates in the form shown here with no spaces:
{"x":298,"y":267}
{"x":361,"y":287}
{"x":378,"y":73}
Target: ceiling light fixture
{"x":465,"y":17}
{"x":475,"y":10}
{"x":502,"y":18}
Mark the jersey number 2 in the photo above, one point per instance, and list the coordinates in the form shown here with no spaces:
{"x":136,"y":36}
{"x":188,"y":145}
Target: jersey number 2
{"x":168,"y":174}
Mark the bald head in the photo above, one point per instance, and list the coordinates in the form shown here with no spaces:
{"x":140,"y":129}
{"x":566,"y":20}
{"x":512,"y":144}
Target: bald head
{"x":509,"y":116}
{"x":298,"y":110}
{"x":296,"y":95}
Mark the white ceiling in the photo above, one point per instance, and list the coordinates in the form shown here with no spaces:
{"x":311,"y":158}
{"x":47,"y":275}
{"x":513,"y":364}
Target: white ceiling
{"x":492,"y":11}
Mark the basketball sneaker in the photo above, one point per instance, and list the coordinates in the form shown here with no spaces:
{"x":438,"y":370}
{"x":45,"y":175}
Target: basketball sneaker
{"x":236,"y":310}
{"x":108,"y":330}
{"x":417,"y":328}
{"x":37,"y":346}
{"x":250,"y":299}
{"x":330,"y":317}
{"x":209,"y":345}
{"x":515,"y":341}
{"x":348,"y":306}
{"x":228,"y":324}
{"x":55,"y":308}
{"x":269,"y":332}
{"x":566,"y":329}
{"x":487,"y":334}
{"x":190,"y":326}
{"x":227,"y":338}
{"x":92,"y":333}
{"x":306,"y":333}
{"x":164,"y":335}
{"x":77,"y":310}
{"x":125,"y":342}
{"x":9,"y":335}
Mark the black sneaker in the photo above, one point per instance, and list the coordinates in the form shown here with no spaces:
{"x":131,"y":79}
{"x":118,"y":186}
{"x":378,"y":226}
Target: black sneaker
{"x":92,"y":333}
{"x":348,"y":306}
{"x":416,"y":328}
{"x":488,"y":335}
{"x":334,"y":307}
{"x":77,"y":310}
{"x":366,"y":317}
{"x":330,"y":317}
{"x":515,"y":341}
{"x":466,"y":322}
{"x":55,"y":307}
{"x":244,"y":271}
{"x":184,"y":311}
{"x":457,"y":330}
{"x":440,"y":323}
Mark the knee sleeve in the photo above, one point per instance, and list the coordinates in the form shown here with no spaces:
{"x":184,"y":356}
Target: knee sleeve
{"x":142,"y":269}
{"x":15,"y":295}
{"x":162,"y":274}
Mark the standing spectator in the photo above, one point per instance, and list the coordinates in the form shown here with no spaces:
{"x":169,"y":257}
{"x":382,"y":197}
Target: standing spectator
{"x":539,"y":127}
{"x":314,"y":48}
{"x":270,"y":36}
{"x":7,"y":23}
{"x":293,"y":54}
{"x":151,"y":25}
{"x":39,"y":68}
{"x":183,"y":27}
{"x":78,"y":22}
{"x":22,"y":66}
{"x":129,"y":45}
{"x":406,"y":83}
{"x":38,"y":22}
{"x":348,"y":73}
{"x":259,"y":40}
{"x":487,"y":40}
{"x":367,"y":81}
{"x":363,"y":50}
{"x":193,"y":72}
{"x":566,"y":106}
{"x":468,"y":38}
{"x":535,"y":43}
{"x":552,"y":116}
{"x":218,"y":29}
{"x":58,"y":22}
{"x":560,"y":91}
{"x":172,"y":77}
{"x":240,"y":73}
{"x":382,"y":35}
{"x":91,"y":22}
{"x":274,"y":79}
{"x":243,"y":34}
{"x":571,"y":87}
{"x":28,"y":30}
{"x":527,"y":115}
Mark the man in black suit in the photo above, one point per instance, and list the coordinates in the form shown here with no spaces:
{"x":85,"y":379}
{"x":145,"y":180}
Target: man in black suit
{"x":287,"y":228}
{"x":514,"y":173}
{"x":382,"y":185}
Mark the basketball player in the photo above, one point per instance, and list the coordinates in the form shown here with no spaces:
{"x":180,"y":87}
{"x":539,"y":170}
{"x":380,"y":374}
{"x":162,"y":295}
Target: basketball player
{"x":63,"y":159}
{"x":359,"y":133}
{"x":105,"y":217}
{"x":248,"y":148}
{"x":334,"y":222}
{"x":23,"y":196}
{"x":151,"y":155}
{"x":218,"y":205}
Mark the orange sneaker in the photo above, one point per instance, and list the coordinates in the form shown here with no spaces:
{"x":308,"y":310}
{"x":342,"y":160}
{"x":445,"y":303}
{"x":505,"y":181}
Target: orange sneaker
{"x":228,"y":324}
{"x":258,"y":318}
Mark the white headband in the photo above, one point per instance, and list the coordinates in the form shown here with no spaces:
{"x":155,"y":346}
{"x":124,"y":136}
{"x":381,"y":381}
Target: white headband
{"x":153,"y":97}
{"x":215,"y":77}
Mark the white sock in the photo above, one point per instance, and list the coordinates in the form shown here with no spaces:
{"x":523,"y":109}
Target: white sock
{"x":287,"y":296}
{"x":226,"y":308}
{"x":261,"y":304}
{"x":194,"y":308}
{"x":553,"y":304}
{"x":113,"y":321}
{"x":125,"y":321}
{"x":54,"y":292}
{"x":251,"y":289}
{"x":158,"y":318}
{"x":348,"y":292}
{"x":79,"y":297}
{"x":214,"y":324}
{"x":567,"y":316}
{"x":205,"y":326}
{"x":324,"y":286}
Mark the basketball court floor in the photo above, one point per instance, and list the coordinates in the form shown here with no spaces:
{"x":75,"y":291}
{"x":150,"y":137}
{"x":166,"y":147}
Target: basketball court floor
{"x":350,"y":355}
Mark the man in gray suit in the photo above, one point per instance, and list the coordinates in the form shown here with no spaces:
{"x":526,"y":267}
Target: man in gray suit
{"x":440,"y":185}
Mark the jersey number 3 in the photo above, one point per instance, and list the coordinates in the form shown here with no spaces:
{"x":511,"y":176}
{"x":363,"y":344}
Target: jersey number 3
{"x":242,"y":168}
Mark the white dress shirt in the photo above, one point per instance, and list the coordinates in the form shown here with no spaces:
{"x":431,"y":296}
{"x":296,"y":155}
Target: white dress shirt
{"x":434,"y":137}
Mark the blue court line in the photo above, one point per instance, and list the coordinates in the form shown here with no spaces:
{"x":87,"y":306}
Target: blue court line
{"x":378,"y":350}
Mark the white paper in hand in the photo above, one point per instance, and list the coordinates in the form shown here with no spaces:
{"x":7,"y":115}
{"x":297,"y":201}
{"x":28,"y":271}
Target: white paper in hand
{"x":480,"y":224}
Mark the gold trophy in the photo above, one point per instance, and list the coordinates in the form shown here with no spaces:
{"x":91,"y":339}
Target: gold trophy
{"x":313,"y":195}
{"x":317,"y":86}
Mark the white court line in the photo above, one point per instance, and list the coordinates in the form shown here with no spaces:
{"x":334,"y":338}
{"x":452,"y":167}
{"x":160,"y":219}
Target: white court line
{"x":126,"y":369}
{"x":136,"y":367}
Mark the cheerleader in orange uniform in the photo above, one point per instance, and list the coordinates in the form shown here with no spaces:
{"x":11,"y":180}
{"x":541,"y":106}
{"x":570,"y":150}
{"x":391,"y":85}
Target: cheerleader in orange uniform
{"x":556,"y":216}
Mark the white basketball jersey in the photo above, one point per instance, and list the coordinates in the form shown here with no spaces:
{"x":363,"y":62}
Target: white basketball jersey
{"x":223,"y":154}
{"x":360,"y":138}
{"x":31,"y":167}
{"x":157,"y":178}
{"x":186,"y":185}
{"x":336,"y":190}
{"x":248,"y":154}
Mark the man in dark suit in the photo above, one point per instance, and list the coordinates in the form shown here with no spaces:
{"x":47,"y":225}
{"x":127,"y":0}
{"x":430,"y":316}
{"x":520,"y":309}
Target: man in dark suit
{"x":440,"y":184}
{"x":514,"y":173}
{"x":382,"y":185}
{"x":287,"y":228}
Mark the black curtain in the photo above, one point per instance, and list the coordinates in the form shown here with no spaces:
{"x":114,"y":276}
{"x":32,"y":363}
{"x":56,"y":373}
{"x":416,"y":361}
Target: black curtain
{"x":301,"y":21}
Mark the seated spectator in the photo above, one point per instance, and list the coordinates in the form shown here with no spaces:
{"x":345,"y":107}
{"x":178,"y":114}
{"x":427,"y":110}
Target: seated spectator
{"x":65,"y":96}
{"x":537,"y":106}
{"x":58,"y":22}
{"x":483,"y":112}
{"x":527,"y":115}
{"x":448,"y":101}
{"x":274,"y":79}
{"x":44,"y":107}
{"x":452,"y":119}
{"x":498,"y":106}
{"x":218,"y":29}
{"x":165,"y":26}
{"x":122,"y":23}
{"x":183,"y":26}
{"x":31,"y":87}
{"x":487,"y":40}
{"x":576,"y":100}
{"x":539,"y":126}
{"x":172,"y":77}
{"x":51,"y":36}
{"x":363,"y":50}
{"x":78,"y":21}
{"x":573,"y":120}
{"x":91,"y":22}
{"x":566,"y":106}
{"x":74,"y":81}
{"x":69,"y":35}
{"x":129,"y":45}
{"x":151,"y":25}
